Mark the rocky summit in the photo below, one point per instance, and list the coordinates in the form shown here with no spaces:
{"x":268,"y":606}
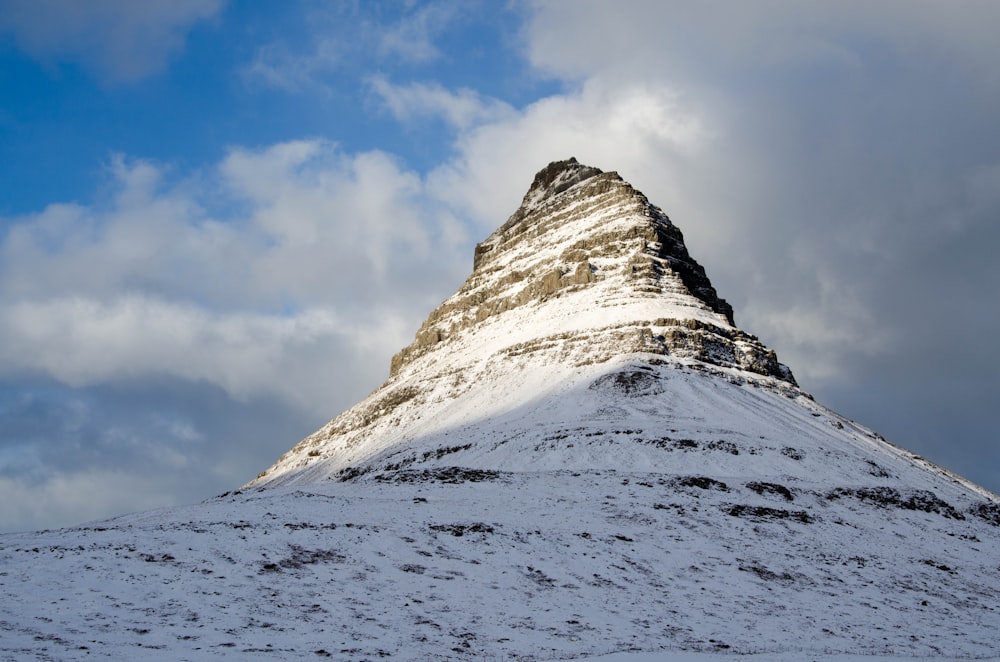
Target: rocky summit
{"x":579,"y":456}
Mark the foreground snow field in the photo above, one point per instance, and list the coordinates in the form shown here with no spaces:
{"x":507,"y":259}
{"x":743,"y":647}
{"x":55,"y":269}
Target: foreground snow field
{"x":747,"y":556}
{"x":546,"y":566}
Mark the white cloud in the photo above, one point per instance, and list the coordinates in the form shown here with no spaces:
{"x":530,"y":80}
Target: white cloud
{"x":334,"y":223}
{"x":461,"y":109}
{"x":634,"y":128}
{"x":81,"y":342}
{"x":284,"y":277}
{"x":121,"y":40}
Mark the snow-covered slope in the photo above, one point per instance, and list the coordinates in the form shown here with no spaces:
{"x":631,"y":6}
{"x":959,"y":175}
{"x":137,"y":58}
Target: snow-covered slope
{"x":463,"y":564}
{"x":579,"y":455}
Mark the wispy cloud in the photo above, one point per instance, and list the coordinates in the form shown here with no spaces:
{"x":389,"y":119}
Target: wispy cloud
{"x":275,"y":65}
{"x":343,"y":40}
{"x":460,"y":109}
{"x":412,"y":37}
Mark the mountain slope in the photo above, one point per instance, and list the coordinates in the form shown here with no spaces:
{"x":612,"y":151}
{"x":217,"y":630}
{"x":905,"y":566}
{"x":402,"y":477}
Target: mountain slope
{"x":580,"y":454}
{"x":518,"y":565}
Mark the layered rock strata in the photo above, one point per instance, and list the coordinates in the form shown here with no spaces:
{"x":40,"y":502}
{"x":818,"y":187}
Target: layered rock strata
{"x":580,"y":228}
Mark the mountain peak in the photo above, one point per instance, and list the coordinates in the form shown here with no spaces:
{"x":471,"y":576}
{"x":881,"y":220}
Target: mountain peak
{"x":584,"y":276}
{"x":589,"y":248}
{"x":555,"y":178}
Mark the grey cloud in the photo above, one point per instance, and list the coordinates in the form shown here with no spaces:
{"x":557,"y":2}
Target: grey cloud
{"x":119,"y":39}
{"x":837,"y":178}
{"x":697,"y":42}
{"x":76,"y":454}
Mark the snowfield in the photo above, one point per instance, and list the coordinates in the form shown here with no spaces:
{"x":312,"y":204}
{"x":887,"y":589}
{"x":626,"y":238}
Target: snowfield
{"x":815,"y":539}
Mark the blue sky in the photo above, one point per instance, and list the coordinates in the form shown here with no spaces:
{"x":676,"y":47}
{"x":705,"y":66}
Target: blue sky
{"x":228,"y":80}
{"x":219,"y":219}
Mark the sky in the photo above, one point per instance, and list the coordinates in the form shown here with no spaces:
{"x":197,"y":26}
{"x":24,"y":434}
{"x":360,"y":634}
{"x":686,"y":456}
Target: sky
{"x":220,"y":219}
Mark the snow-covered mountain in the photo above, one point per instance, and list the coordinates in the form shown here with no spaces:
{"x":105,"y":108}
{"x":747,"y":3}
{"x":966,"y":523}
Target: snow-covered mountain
{"x":587,"y":287}
{"x":579,"y":455}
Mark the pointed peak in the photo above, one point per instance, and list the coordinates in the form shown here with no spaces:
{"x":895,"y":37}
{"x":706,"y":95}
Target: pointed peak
{"x":551,"y":181}
{"x":586,"y":273}
{"x":585,"y":257}
{"x":558,"y":176}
